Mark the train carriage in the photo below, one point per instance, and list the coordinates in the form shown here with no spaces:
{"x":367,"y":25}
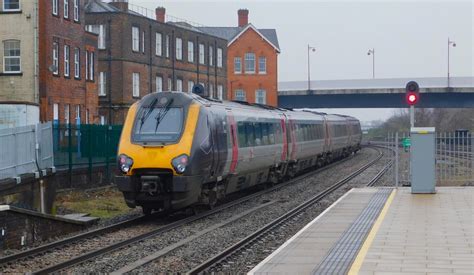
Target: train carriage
{"x":179,"y":150}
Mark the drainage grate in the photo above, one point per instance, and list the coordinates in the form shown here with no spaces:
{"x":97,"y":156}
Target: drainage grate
{"x":343,"y":253}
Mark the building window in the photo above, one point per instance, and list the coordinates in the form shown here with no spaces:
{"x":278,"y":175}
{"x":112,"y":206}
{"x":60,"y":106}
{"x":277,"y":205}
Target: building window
{"x":190,"y":86}
{"x":91,"y":65}
{"x":211,"y":90}
{"x":158,"y":44}
{"x":219,"y":57}
{"x":190,"y":51}
{"x":239,"y":95}
{"x":261,"y":96}
{"x":179,"y":85}
{"x":102,"y":83}
{"x":250,"y":63}
{"x":167,"y":46}
{"x":78,"y":114}
{"x":76,"y":10}
{"x":211,"y":56}
{"x":136,"y":84}
{"x":262,"y":65}
{"x":55,"y":58}
{"x":66,"y":8}
{"x":66,"y":113}
{"x":77,"y":63}
{"x":220,"y":92}
{"x":143,"y":42}
{"x":135,"y":39}
{"x":11,"y":5}
{"x":159,"y":84}
{"x":11,"y":56}
{"x":87,"y":65}
{"x":201,"y":54}
{"x":99,"y":30}
{"x":170,"y":83}
{"x":87,"y":116}
{"x":237,"y":65}
{"x":55,"y":6}
{"x":55,"y":112}
{"x":66,"y":61}
{"x":102,"y":120}
{"x":179,"y":49}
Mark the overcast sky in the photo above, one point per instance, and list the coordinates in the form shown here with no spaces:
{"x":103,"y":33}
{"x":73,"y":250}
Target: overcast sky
{"x":409,"y":37}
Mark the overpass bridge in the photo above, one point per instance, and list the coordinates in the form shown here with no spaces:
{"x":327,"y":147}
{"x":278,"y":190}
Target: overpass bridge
{"x":376,"y":93}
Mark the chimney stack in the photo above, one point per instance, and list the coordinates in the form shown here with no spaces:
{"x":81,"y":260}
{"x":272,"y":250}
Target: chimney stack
{"x":243,"y":17}
{"x":160,"y":14}
{"x":120,"y":4}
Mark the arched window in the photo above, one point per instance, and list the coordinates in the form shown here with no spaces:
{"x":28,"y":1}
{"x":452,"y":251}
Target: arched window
{"x":11,"y":56}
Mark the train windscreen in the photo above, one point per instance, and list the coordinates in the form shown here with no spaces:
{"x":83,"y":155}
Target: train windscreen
{"x":158,"y":125}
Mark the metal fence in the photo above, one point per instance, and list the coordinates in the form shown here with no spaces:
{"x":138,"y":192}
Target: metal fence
{"x":26,"y":149}
{"x":454,"y":157}
{"x":85,"y":146}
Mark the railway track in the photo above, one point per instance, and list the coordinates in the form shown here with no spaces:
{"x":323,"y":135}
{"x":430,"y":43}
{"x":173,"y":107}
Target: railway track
{"x":227,"y":256}
{"x":8,"y":263}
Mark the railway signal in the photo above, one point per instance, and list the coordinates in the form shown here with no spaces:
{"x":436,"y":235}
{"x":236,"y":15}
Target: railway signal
{"x":412,"y":96}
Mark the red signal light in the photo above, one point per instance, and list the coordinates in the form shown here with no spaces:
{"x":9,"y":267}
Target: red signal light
{"x":412,"y":98}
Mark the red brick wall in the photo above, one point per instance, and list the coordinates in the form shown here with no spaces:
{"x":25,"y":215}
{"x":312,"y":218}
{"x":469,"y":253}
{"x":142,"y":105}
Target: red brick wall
{"x":251,"y":41}
{"x":60,"y":89}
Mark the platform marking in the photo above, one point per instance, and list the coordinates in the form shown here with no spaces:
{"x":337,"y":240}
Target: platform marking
{"x":370,"y":238}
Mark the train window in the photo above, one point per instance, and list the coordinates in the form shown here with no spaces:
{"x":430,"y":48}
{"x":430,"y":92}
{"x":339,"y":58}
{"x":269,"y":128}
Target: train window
{"x":258,"y":133}
{"x":265,"y":140}
{"x":242,"y":136}
{"x":271,"y":132}
{"x":249,"y":132}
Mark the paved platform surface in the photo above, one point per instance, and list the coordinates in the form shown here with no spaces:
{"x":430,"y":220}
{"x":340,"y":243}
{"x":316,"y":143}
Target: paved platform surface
{"x":405,"y":234}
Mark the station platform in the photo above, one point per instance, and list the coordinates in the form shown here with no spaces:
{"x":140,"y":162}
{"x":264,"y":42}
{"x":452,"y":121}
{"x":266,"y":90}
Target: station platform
{"x":383,"y":231}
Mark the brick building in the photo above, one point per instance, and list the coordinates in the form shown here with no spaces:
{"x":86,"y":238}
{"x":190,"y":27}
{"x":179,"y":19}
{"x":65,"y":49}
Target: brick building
{"x":252,"y":61}
{"x":67,"y":63}
{"x":140,"y":53}
{"x":50,"y":61}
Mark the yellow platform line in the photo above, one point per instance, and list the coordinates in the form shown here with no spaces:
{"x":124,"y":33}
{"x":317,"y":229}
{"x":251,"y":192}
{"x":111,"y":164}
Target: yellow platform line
{"x":357,"y":264}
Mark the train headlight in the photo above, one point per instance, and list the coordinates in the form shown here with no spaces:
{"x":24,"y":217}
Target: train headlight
{"x":179,"y":163}
{"x":125,"y":163}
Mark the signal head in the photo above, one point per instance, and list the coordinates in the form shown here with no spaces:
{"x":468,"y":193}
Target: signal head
{"x":412,"y":86}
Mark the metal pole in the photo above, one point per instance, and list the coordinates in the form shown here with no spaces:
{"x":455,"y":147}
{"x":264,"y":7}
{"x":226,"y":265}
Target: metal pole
{"x":448,"y":59}
{"x":309,"y":75}
{"x":373,"y":63}
{"x":412,"y":116}
{"x":396,"y":160}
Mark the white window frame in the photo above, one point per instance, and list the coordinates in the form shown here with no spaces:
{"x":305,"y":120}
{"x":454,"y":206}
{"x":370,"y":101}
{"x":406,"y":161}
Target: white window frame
{"x":167,"y":46}
{"x":158,"y":44}
{"x":78,"y":114}
{"x":77,"y":63}
{"x":170,"y":84}
{"x":67,"y":67}
{"x":190,"y":86}
{"x":102,"y":84}
{"x":8,"y":10}
{"x":55,"y":6}
{"x":87,"y":65}
{"x":136,"y":84}
{"x":135,"y":39}
{"x":179,"y":85}
{"x":202,"y":59}
{"x":66,"y":114}
{"x":56,"y":58}
{"x":91,"y":65}
{"x":220,"y":92}
{"x":219,"y":58}
{"x":249,"y":60}
{"x":76,"y":10}
{"x":87,"y":116}
{"x":66,"y":9}
{"x":56,"y":111}
{"x":211,"y":56}
{"x":211,"y":90}
{"x":102,"y":120}
{"x":143,"y":41}
{"x":260,"y":93}
{"x":262,"y":70}
{"x":239,"y":59}
{"x":101,"y":37}
{"x":179,"y":48}
{"x":191,"y":51}
{"x":5,"y":57}
{"x":159,"y":84}
{"x":240,"y":95}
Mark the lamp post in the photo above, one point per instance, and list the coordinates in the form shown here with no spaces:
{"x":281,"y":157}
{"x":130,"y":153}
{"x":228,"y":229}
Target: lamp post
{"x":453,"y":44}
{"x":313,"y":49}
{"x":372,"y":52}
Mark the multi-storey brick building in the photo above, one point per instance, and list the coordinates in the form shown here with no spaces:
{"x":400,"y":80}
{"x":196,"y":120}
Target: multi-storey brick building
{"x":48,"y":63}
{"x":252,"y":61}
{"x":140,"y":53}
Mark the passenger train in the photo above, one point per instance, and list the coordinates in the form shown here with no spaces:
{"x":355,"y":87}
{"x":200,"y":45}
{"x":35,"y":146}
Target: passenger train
{"x":180,"y":149}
